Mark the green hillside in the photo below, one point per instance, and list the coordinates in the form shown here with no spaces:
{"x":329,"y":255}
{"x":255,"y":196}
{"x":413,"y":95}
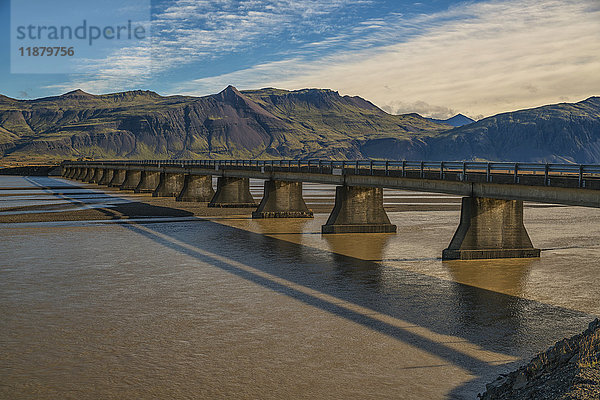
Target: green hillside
{"x":267,"y":123}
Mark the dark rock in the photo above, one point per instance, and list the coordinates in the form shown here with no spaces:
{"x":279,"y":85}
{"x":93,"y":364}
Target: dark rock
{"x":568,"y":370}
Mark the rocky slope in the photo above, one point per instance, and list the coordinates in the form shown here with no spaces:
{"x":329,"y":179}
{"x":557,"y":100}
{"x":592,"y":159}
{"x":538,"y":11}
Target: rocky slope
{"x":568,"y":370}
{"x":566,"y":132}
{"x":267,"y":123}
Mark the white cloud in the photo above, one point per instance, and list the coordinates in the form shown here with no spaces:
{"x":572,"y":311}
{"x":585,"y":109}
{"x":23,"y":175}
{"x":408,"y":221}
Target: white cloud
{"x":475,"y":58}
{"x":195,"y":31}
{"x":420,"y":107}
{"x":478,"y":59}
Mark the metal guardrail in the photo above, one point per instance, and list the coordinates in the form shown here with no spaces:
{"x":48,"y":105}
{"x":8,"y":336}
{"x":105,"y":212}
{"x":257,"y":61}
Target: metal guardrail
{"x":454,"y":170}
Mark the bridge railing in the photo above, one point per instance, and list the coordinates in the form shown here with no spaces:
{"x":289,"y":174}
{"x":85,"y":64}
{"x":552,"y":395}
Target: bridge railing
{"x":549,"y":174}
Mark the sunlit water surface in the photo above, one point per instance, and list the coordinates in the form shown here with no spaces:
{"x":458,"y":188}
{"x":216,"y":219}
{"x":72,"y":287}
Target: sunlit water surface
{"x":230,"y":307}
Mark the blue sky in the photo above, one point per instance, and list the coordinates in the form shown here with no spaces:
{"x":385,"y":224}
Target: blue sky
{"x":436,"y":57}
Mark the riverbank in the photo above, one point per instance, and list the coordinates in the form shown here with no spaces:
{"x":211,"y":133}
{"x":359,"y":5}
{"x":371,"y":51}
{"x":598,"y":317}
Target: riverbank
{"x":568,"y":370}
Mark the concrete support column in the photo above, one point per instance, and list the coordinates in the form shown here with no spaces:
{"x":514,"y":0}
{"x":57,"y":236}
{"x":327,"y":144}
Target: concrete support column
{"x":118,"y":178}
{"x":82,"y":173}
{"x":197,"y":188}
{"x":490,"y":228}
{"x":106,"y":177}
{"x":132,"y":179}
{"x":97,"y":175}
{"x":282,"y":200}
{"x":232,"y":192}
{"x":148,"y":183}
{"x":89,"y":175}
{"x":170,"y":185}
{"x":358,"y":210}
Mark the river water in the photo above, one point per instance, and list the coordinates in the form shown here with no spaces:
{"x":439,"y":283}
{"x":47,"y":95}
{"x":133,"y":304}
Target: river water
{"x":201,"y":307}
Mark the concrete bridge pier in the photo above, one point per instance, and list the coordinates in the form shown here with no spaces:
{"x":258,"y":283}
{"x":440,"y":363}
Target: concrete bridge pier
{"x":233,"y":192}
{"x":197,"y":188}
{"x":118,"y":178}
{"x":89,"y":175}
{"x":132,"y":180}
{"x":490,"y":228}
{"x":74,"y":173}
{"x":82,"y":173}
{"x":97,"y":175}
{"x":282,"y":199}
{"x":106,"y":177}
{"x":170,"y":185}
{"x":148,"y":183}
{"x":358,"y":210}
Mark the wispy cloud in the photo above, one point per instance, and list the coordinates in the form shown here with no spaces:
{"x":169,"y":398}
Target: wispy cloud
{"x":479,"y":59}
{"x":475,"y":58}
{"x":192,"y":31}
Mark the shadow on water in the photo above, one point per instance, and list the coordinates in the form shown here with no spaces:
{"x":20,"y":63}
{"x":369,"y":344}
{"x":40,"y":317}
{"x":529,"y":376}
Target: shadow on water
{"x":120,"y":210}
{"x":503,"y":280}
{"x":496,"y":320}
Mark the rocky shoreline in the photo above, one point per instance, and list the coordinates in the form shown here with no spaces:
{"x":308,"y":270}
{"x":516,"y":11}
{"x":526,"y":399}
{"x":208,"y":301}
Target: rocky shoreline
{"x":568,"y":370}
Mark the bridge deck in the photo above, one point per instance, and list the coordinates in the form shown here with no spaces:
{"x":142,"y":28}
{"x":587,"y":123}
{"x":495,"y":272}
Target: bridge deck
{"x":568,"y":184}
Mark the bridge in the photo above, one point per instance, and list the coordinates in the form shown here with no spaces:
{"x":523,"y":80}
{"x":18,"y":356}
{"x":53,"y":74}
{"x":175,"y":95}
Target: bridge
{"x":491,"y":222}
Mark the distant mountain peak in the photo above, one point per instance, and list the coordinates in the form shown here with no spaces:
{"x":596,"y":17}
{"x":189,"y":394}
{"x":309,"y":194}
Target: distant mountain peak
{"x":231,"y":92}
{"x":460,"y":119}
{"x":231,"y":89}
{"x":230,"y":95}
{"x":77,"y":93}
{"x":456,"y":121}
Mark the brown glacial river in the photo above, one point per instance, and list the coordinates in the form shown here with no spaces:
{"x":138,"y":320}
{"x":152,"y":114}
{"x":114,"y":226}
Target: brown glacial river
{"x":188,"y":305}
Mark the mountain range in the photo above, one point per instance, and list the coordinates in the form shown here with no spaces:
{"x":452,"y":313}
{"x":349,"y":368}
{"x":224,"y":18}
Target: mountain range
{"x":273,"y":123}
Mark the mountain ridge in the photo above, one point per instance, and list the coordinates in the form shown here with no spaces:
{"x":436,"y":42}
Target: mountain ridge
{"x":265,"y":123}
{"x":561,"y":132}
{"x":275,"y":123}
